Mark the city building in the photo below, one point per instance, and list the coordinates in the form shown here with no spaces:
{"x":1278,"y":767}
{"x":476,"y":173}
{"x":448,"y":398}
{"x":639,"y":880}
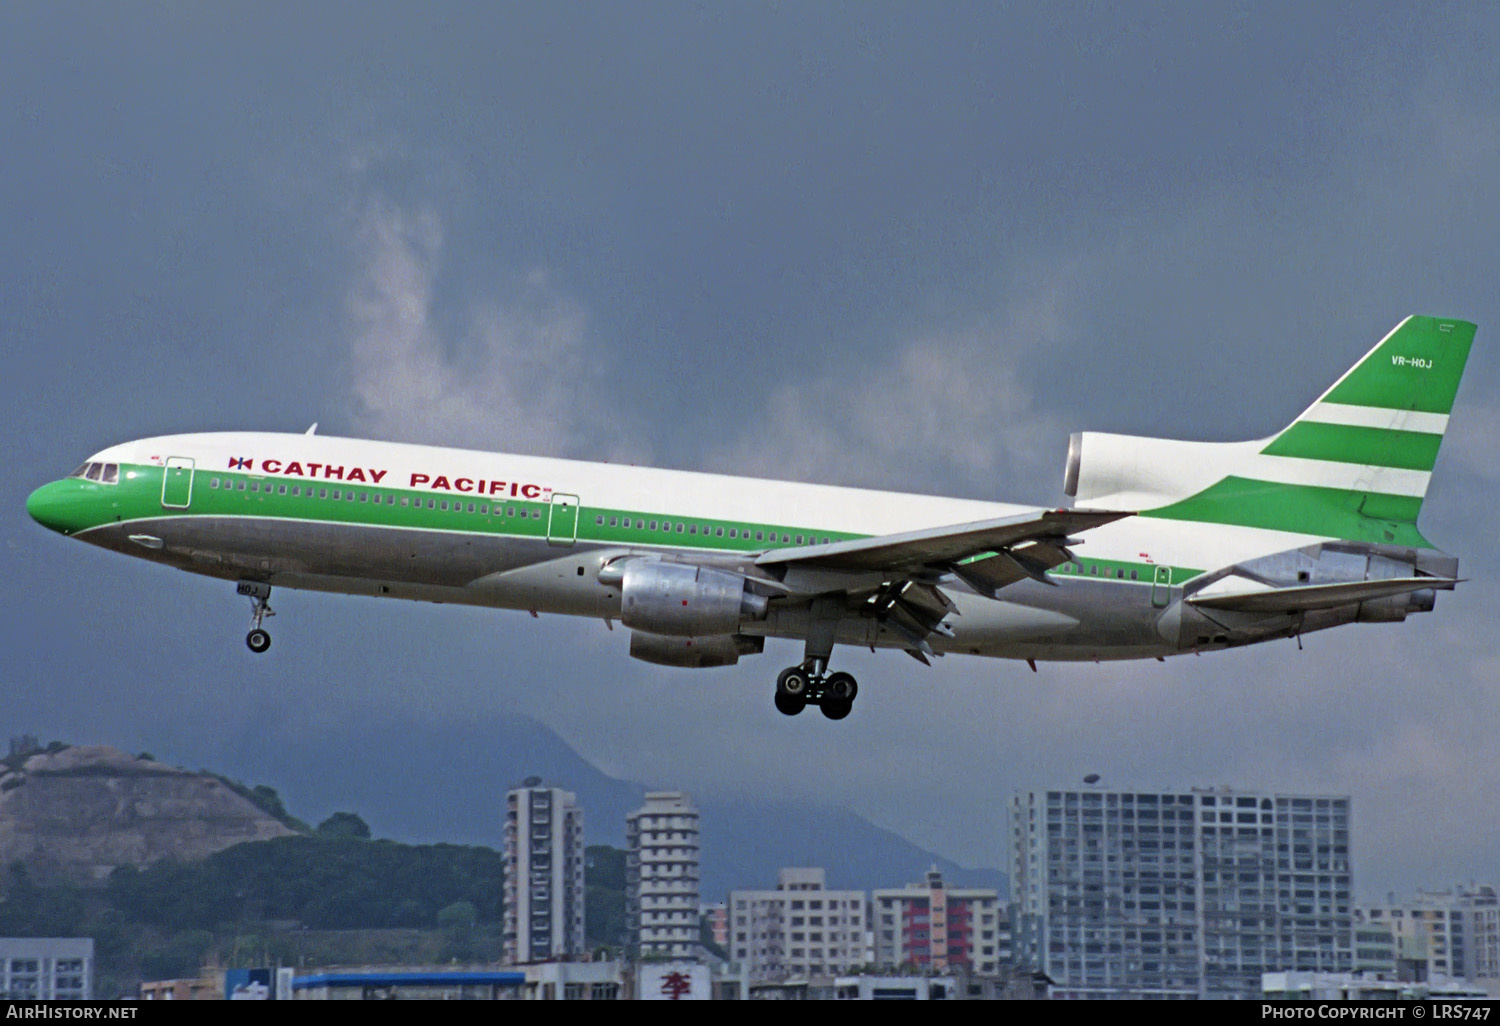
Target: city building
{"x":543,"y":875}
{"x":1179,"y":893}
{"x":1301,"y":986}
{"x":573,"y":981}
{"x":799,"y":929}
{"x":716,"y":922}
{"x":661,"y":876}
{"x":46,"y":968}
{"x":1436,"y":934}
{"x":930,"y":925}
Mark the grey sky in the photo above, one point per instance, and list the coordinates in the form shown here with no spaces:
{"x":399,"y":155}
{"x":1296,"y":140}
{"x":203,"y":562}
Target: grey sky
{"x":892,"y":245}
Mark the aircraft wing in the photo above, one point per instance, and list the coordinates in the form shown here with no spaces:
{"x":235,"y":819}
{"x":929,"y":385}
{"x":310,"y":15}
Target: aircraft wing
{"x":1319,"y":596}
{"x":988,"y":554}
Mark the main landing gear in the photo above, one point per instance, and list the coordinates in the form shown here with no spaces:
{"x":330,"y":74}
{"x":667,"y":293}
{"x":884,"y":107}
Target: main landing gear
{"x":260,"y":607}
{"x":800,"y":686}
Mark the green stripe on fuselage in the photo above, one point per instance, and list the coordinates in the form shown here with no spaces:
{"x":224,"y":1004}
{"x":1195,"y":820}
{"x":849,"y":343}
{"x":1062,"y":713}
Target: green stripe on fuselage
{"x":138,"y":497}
{"x":229,"y":494}
{"x":1342,"y":443}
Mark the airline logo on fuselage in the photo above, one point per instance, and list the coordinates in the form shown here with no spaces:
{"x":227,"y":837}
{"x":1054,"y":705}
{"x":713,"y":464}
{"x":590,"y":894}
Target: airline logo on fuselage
{"x":374,"y":475}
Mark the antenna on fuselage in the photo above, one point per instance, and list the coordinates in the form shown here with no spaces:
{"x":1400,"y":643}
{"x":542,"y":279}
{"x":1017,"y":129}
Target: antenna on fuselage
{"x":312,"y":430}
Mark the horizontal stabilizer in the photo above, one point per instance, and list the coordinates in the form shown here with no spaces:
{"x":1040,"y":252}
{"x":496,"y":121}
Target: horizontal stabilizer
{"x":1320,"y":596}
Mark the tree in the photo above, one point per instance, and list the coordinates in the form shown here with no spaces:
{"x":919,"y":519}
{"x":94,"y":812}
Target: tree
{"x":457,"y":922}
{"x":344,"y":824}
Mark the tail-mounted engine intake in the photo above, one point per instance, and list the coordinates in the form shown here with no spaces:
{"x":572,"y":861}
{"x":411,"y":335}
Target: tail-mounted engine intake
{"x":682,"y":600}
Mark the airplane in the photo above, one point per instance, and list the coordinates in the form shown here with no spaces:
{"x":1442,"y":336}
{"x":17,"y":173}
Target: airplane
{"x":1169,"y":547}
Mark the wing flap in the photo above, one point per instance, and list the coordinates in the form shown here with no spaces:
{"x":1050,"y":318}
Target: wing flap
{"x":1319,"y":596}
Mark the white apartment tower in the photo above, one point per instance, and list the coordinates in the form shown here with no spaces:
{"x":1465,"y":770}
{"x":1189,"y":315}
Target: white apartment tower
{"x":1179,"y":894}
{"x":799,"y":929}
{"x":661,"y":876}
{"x":543,"y":875}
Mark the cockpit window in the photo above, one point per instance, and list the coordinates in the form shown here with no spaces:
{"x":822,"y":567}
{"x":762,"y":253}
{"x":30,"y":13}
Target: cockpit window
{"x":94,"y":471}
{"x":82,"y":469}
{"x":111,"y":473}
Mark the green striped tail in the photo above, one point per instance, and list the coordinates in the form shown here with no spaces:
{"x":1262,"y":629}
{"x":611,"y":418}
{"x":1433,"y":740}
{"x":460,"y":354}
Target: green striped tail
{"x":1356,"y":464}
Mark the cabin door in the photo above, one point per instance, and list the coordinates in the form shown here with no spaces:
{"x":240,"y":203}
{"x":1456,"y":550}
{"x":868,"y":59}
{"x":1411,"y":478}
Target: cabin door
{"x":562,"y":520}
{"x":1161,"y":587}
{"x":177,"y":483}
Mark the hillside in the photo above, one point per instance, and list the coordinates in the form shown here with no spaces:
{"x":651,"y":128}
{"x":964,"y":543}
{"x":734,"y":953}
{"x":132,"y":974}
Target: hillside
{"x":76,"y":813}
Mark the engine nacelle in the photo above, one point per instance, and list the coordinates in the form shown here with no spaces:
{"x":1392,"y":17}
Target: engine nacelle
{"x":681,"y":600}
{"x":698,"y":653}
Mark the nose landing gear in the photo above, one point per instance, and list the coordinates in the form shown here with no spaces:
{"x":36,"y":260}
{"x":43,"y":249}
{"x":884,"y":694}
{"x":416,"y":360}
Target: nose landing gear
{"x":259,"y":594}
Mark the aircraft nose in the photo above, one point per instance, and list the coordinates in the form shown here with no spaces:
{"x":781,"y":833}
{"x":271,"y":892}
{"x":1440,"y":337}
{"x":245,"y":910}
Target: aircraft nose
{"x":47,"y":506}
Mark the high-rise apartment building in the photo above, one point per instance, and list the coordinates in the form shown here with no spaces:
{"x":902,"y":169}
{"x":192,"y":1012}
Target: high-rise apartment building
{"x":799,"y":929}
{"x":1179,"y":894}
{"x":1436,"y":934}
{"x":661,"y":876}
{"x":934,"y":926}
{"x":543,"y":874}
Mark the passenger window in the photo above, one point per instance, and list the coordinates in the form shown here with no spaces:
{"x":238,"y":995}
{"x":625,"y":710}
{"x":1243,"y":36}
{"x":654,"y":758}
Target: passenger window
{"x":719,"y":532}
{"x":242,"y":485}
{"x":443,"y":505}
{"x":432,"y":504}
{"x":1134,"y":575}
{"x":1120,"y":574}
{"x":599,"y":520}
{"x":679,"y":528}
{"x":213,"y":482}
{"x":348,"y":496}
{"x":759,"y":536}
{"x":692,"y":529}
{"x":484,"y":508}
{"x":322,"y":492}
{"x":403,"y":501}
{"x":471,"y":507}
{"x":296,"y":491}
{"x":785,"y":540}
{"x":365,"y":497}
{"x":614,"y":521}
{"x":799,"y":539}
{"x":653,"y":525}
{"x":536,"y":514}
{"x":281,"y":490}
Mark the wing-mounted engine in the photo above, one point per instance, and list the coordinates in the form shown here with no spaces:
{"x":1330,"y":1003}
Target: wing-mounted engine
{"x":697,"y":653}
{"x":682,"y":600}
{"x":1308,"y":589}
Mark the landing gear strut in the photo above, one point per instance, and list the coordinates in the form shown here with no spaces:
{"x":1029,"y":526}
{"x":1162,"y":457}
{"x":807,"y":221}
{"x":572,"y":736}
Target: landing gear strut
{"x":808,"y":684}
{"x":260,"y":607}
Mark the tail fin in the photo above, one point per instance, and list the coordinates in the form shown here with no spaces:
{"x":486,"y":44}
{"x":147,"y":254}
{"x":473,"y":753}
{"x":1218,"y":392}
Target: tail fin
{"x":1355,"y":465}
